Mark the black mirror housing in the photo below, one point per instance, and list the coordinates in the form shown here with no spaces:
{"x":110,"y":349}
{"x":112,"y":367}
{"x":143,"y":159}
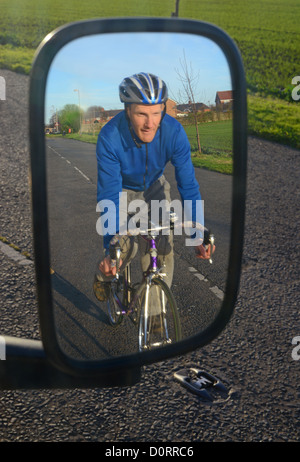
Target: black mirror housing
{"x":48,"y":357}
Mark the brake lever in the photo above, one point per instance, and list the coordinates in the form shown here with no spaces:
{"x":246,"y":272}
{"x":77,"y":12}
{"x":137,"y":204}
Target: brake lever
{"x":115,"y":256}
{"x":118,"y":257}
{"x":212,"y":241}
{"x":209,"y":241}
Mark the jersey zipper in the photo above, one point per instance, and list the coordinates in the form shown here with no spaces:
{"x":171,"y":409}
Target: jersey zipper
{"x":146,"y":166}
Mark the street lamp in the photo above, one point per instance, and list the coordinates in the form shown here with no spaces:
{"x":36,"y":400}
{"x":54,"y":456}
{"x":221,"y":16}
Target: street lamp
{"x":79,"y":110}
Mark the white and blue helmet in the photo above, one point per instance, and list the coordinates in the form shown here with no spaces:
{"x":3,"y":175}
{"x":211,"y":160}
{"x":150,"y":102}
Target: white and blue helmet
{"x":143,"y":88}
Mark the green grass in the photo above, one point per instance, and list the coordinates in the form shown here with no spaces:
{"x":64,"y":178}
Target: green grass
{"x":266,"y":31}
{"x":268,"y":35}
{"x":16,"y":59}
{"x":215,"y":137}
{"x":216,"y":146}
{"x":24,"y":23}
{"x":76,"y":136}
{"x":263,"y":112}
{"x":217,"y":163}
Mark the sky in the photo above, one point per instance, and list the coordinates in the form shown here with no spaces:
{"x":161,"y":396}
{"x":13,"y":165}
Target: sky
{"x":94,"y":66}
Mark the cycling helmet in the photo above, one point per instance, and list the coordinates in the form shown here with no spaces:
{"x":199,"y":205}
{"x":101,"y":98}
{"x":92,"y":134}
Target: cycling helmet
{"x":143,"y":88}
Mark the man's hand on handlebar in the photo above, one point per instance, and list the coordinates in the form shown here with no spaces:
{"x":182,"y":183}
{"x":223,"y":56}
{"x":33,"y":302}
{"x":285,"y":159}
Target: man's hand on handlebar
{"x":204,"y":251}
{"x":207,"y":248}
{"x":108,"y":266}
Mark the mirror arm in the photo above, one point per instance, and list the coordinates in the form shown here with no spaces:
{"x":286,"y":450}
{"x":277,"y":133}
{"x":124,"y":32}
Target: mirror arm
{"x":176,"y":12}
{"x":26,"y":367}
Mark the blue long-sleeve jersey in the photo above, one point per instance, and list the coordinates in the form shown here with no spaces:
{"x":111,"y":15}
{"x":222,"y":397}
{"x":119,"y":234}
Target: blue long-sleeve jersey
{"x":122,"y":164}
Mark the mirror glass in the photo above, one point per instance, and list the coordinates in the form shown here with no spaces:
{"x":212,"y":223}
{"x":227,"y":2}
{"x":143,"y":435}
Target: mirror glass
{"x":82,"y":97}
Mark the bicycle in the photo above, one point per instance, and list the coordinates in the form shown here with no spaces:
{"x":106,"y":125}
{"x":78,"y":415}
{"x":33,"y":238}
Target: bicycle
{"x":140,"y":301}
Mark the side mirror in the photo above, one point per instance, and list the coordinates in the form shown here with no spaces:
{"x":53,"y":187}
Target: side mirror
{"x":79,"y":347}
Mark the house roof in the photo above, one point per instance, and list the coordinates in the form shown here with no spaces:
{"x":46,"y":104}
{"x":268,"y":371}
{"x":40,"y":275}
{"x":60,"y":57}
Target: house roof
{"x":224,"y":95}
{"x":188,"y":107}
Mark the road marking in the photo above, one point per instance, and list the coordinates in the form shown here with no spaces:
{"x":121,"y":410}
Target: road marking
{"x":14,"y":253}
{"x":218,"y":292}
{"x":200,"y":276}
{"x":215,"y":290}
{"x":68,"y":162}
{"x":84,"y":176}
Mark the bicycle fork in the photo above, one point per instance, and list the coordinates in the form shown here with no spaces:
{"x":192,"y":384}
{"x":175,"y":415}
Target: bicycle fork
{"x":147,"y":317}
{"x":146,"y":313}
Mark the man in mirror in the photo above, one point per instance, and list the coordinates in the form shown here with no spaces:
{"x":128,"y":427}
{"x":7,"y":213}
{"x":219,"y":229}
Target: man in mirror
{"x":132,"y":150}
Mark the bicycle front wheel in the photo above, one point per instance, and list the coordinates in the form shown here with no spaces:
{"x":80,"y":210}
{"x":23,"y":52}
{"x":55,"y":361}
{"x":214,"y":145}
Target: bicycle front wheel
{"x":114,"y":301}
{"x":159,"y":322}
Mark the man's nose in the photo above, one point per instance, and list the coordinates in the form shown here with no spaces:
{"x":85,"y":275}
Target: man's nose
{"x":149,"y":122}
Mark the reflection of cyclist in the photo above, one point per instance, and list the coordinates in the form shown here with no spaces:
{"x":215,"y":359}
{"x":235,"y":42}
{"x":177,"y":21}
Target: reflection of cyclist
{"x":132,"y":151}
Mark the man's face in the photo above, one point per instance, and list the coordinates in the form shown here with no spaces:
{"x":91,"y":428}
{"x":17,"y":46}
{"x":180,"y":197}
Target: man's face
{"x":145,"y":120}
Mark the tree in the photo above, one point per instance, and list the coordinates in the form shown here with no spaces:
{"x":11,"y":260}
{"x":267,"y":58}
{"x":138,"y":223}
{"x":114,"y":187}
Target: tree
{"x":189,"y":81}
{"x":69,"y":117}
{"x":93,"y":112}
{"x":53,"y":120}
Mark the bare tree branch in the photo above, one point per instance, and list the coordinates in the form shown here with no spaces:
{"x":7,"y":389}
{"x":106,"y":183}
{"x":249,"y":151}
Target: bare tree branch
{"x":189,"y":84}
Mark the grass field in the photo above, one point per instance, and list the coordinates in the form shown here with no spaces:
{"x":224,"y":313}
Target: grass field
{"x":263,"y":112}
{"x":216,"y":145}
{"x":266,"y":31}
{"x":215,"y":137}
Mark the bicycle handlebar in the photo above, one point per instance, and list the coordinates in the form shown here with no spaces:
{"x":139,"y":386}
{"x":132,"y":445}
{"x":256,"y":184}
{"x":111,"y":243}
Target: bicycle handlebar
{"x":208,"y":237}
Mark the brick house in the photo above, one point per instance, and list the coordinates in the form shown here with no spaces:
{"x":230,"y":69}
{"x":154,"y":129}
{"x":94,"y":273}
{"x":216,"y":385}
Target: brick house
{"x":199,"y":107}
{"x":171,"y":108}
{"x":223,"y":99}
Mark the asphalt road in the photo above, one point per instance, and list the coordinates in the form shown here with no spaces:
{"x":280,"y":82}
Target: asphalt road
{"x":254,"y":355}
{"x":76,"y":247}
